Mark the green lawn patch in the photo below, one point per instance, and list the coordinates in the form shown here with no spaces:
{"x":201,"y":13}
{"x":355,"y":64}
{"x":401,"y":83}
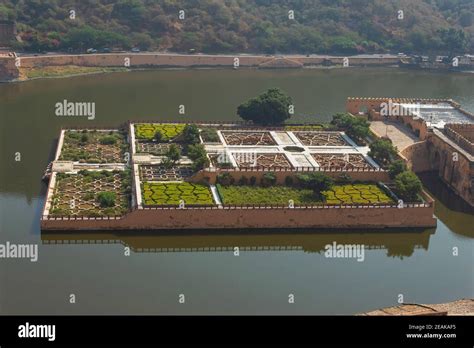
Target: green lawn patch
{"x":265,"y":195}
{"x":173,"y":193}
{"x":169,"y":131}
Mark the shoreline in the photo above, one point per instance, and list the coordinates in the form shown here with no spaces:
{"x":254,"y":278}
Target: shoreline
{"x":13,"y":67}
{"x":169,"y":68}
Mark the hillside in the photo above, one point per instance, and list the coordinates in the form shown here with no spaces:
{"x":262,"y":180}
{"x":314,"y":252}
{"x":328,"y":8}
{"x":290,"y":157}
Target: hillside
{"x":219,"y":26}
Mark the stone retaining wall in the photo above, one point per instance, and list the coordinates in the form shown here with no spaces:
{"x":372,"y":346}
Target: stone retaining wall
{"x":177,"y":61}
{"x":281,"y":174}
{"x":233,"y":218}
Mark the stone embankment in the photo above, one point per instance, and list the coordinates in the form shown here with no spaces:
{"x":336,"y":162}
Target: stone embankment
{"x":10,"y":65}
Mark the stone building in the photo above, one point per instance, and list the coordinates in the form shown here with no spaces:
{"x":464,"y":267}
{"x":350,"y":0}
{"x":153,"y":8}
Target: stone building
{"x":446,"y":138}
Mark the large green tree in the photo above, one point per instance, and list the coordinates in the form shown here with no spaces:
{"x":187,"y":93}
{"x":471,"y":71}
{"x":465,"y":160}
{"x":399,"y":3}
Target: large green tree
{"x":269,"y":108}
{"x":382,"y":151}
{"x":408,"y":186}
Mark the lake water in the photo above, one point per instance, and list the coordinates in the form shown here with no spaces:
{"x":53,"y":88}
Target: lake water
{"x":419,"y":265}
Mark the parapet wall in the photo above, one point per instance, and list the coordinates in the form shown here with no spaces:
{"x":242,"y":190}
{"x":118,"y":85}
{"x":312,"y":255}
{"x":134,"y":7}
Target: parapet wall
{"x":354,"y":105}
{"x":462,"y":134}
{"x":234,"y":218}
{"x":210,"y":175}
{"x":8,"y":69}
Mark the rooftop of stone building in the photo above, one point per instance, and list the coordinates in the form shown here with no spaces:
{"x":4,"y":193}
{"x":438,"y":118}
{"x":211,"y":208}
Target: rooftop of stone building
{"x":438,"y":115}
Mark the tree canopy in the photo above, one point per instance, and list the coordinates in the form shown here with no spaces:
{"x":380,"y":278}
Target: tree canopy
{"x":408,"y":186}
{"x":318,"y":26}
{"x":270,"y":108}
{"x":382,"y":151}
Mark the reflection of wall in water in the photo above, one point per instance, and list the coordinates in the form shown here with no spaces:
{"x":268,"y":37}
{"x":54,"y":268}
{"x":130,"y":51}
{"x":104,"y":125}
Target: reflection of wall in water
{"x":397,"y":243}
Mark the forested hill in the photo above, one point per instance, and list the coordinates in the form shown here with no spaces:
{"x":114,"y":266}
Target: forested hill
{"x":219,"y":26}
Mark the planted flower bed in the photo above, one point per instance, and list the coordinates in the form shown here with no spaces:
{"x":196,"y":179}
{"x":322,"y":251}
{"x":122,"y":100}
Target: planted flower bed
{"x":321,"y":138}
{"x":154,"y":148}
{"x":341,"y":161}
{"x":264,"y":160}
{"x":161,"y":173}
{"x":248,"y":138}
{"x":168,"y":131}
{"x":94,"y":146}
{"x":356,"y":194}
{"x":281,"y":195}
{"x":173,"y":193}
{"x":91,"y":193}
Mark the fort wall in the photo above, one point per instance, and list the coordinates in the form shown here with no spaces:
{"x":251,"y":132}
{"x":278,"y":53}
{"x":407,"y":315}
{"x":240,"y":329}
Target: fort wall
{"x":251,"y":217}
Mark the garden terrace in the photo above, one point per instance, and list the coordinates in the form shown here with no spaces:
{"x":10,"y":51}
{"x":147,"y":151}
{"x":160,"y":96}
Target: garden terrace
{"x":160,"y":173}
{"x":321,"y":138}
{"x":340,"y":161}
{"x":350,"y":194}
{"x":247,"y":138}
{"x":78,"y":194}
{"x":173,"y":193}
{"x":94,"y":146}
{"x":356,"y":194}
{"x":169,"y":131}
{"x":154,"y":148}
{"x":261,"y":160}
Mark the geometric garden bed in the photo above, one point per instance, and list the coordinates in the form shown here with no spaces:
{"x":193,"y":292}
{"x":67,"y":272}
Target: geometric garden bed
{"x":175,"y":193}
{"x":83,"y":194}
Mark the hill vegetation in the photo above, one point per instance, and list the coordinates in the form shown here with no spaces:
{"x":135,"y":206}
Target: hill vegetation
{"x":219,"y":26}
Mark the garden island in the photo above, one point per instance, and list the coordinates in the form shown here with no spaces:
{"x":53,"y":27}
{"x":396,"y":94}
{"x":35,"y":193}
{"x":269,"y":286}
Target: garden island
{"x":260,"y":173}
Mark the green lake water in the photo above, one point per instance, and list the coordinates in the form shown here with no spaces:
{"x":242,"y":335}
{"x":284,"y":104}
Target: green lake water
{"x":420,"y":265}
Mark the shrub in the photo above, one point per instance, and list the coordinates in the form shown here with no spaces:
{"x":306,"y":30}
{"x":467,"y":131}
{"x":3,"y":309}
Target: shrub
{"x":158,"y":136}
{"x":209,"y":135}
{"x":106,"y":199}
{"x":200,"y":163}
{"x":198,"y":155}
{"x":173,"y":153}
{"x":253,"y":180}
{"x":195,"y":151}
{"x":344,"y":178}
{"x":289,"y":181}
{"x":191,"y":134}
{"x":225,"y":179}
{"x":167,"y":163}
{"x":108,"y":140}
{"x":356,"y":128}
{"x":243,"y":181}
{"x":382,"y":151}
{"x":268,"y":179}
{"x":396,"y":168}
{"x":315,"y":181}
{"x":408,"y":186}
{"x":84,"y":138}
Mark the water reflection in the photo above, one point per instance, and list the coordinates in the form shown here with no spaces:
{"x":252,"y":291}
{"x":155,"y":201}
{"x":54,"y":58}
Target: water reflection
{"x":397,"y":243}
{"x":449,"y":208}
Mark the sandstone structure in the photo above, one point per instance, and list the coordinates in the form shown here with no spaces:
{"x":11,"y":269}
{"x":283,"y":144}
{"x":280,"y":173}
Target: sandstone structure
{"x":446,"y":149}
